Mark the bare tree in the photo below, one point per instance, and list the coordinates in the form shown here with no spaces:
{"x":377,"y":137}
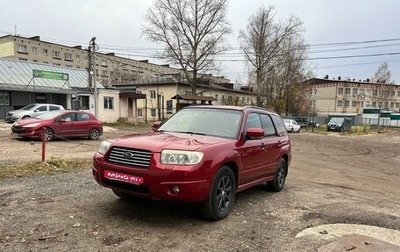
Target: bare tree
{"x":275,"y":52}
{"x":383,"y":74}
{"x":192,"y":31}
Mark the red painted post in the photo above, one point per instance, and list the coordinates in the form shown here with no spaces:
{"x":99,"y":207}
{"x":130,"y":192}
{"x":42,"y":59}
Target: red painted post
{"x":43,"y":144}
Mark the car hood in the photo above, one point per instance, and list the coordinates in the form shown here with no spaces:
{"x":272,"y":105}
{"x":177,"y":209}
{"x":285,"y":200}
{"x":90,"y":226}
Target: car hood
{"x":18,"y":111}
{"x":24,"y":122}
{"x":158,"y":141}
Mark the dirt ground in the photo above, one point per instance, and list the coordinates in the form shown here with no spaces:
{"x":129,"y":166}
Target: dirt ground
{"x":338,"y":185}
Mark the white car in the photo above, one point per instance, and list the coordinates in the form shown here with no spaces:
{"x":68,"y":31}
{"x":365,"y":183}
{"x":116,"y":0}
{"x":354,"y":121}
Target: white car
{"x":292,"y":125}
{"x":31,"y":110}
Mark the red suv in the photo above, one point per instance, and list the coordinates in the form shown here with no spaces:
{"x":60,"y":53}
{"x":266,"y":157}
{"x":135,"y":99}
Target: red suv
{"x":202,"y":154}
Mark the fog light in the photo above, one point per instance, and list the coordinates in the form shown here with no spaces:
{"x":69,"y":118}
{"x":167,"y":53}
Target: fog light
{"x":175,"y":189}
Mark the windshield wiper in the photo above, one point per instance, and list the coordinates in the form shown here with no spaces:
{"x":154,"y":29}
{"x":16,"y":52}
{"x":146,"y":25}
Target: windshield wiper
{"x":192,"y":133}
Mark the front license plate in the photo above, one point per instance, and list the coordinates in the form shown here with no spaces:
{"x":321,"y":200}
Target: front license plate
{"x":123,"y":177}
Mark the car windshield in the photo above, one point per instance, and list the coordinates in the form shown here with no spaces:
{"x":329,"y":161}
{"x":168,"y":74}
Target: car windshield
{"x":29,"y":107}
{"x":337,"y":120}
{"x":49,"y":115}
{"x":205,"y":121}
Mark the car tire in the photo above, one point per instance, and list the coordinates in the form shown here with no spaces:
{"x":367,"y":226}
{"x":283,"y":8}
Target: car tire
{"x":278,"y":182}
{"x":49,"y":135}
{"x":24,"y":117}
{"x":94,"y":134}
{"x":299,"y":130}
{"x":221,"y":197}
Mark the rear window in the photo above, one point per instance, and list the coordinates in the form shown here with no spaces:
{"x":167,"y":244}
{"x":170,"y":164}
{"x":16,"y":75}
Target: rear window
{"x":52,"y":107}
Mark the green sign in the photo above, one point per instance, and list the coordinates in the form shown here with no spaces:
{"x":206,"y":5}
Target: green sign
{"x":50,"y":75}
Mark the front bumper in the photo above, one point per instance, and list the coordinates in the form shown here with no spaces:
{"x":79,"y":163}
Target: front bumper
{"x":158,"y":181}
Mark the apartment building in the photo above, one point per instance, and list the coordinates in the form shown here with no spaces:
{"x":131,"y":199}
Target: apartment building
{"x":134,"y":90}
{"x":330,"y":96}
{"x":110,"y":69}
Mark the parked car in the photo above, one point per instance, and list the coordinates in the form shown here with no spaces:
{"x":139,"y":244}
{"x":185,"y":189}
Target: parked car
{"x":291,"y":125}
{"x":31,"y":110}
{"x":59,"y":124}
{"x":306,"y":122}
{"x":340,"y":124}
{"x":202,"y":154}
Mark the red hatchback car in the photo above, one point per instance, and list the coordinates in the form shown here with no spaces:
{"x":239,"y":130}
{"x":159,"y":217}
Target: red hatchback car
{"x":59,"y":124}
{"x":202,"y":154}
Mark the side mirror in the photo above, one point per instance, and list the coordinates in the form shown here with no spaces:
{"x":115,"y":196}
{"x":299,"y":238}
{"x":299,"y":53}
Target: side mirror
{"x":156,"y":125}
{"x":255,"y":133}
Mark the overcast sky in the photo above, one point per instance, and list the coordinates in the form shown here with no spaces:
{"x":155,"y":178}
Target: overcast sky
{"x":117,"y":25}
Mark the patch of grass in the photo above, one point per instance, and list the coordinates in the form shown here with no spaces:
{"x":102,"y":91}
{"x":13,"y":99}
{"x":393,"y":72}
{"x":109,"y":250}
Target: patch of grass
{"x":51,"y":166}
{"x":124,"y":124}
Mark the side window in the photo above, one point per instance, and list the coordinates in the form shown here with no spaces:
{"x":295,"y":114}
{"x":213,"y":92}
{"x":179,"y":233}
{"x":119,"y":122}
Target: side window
{"x":253,"y":121}
{"x":52,"y":107}
{"x":83,"y":117}
{"x":267,"y":125}
{"x":280,"y":126}
{"x":42,"y":108}
{"x":68,"y":117}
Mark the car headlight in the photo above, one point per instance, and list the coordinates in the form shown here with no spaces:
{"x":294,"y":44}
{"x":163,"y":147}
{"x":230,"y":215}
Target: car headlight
{"x":103,"y":148}
{"x":178,"y":157}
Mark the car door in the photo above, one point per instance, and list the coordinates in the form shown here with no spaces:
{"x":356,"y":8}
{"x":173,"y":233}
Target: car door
{"x":252,"y":153}
{"x":40,"y":110}
{"x":273,"y":141}
{"x":281,"y":142}
{"x":64,"y":126}
{"x":82,"y":124}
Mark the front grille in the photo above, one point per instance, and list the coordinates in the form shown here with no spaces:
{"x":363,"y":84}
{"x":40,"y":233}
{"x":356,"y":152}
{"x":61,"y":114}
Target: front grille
{"x":17,"y":130}
{"x":131,"y":157}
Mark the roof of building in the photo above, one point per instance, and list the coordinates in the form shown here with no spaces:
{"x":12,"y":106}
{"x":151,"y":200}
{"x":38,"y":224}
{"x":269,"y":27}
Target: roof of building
{"x":16,"y":75}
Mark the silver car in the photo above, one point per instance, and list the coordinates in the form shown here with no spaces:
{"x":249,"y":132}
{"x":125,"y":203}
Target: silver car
{"x":31,"y":110}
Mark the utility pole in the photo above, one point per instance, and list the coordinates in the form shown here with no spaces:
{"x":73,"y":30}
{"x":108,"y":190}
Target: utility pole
{"x":92,"y":46}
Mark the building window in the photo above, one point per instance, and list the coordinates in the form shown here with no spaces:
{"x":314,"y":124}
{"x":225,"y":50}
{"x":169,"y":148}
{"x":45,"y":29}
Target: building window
{"x":347,"y":104}
{"x":4,"y":98}
{"x":68,"y":56}
{"x":374,"y":104}
{"x":375,"y":92}
{"x":347,"y":90}
{"x":45,"y":51}
{"x":169,"y":106}
{"x":22,"y":59}
{"x":153,"y":112}
{"x":78,"y":57}
{"x":398,"y":104}
{"x":22,"y":49}
{"x":56,"y":55}
{"x":104,"y":73}
{"x":152,"y":94}
{"x":140,"y":112}
{"x":353,"y":103}
{"x":340,"y":103}
{"x":216,"y":97}
{"x":104,"y":62}
{"x":340,"y":90}
{"x":108,"y":102}
{"x":34,"y":49}
{"x":355,"y":90}
{"x":362,"y":91}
